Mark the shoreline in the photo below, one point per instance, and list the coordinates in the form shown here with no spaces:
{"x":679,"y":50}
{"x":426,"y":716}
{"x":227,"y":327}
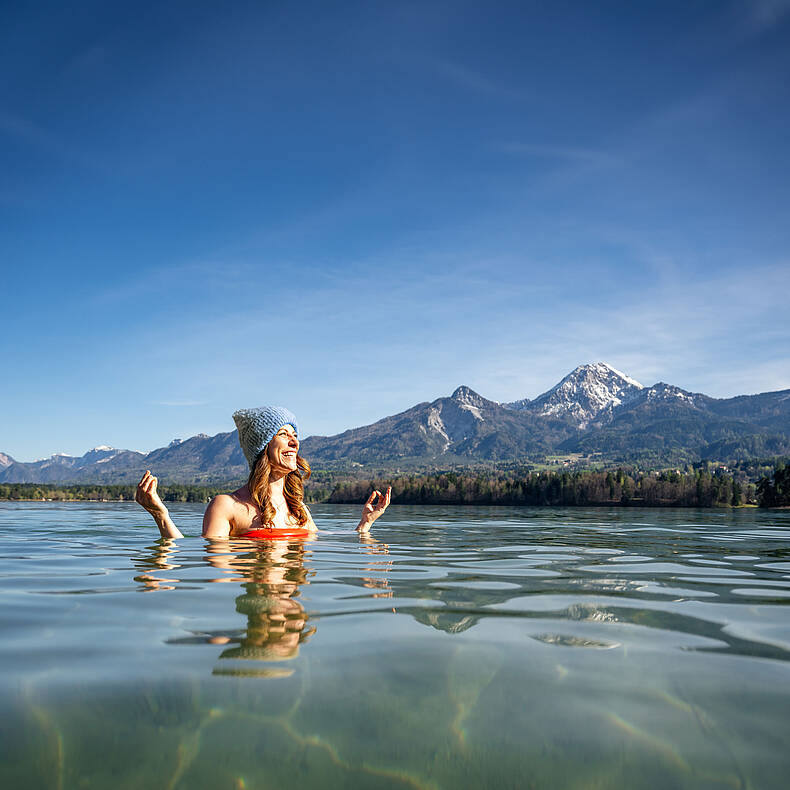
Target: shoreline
{"x":631,"y":505}
{"x":671,"y":488}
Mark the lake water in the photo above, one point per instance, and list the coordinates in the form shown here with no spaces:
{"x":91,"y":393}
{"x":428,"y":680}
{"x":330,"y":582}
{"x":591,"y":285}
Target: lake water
{"x":463,"y":647}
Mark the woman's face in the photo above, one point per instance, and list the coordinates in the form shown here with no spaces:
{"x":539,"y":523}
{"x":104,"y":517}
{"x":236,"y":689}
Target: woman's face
{"x":282,"y":449}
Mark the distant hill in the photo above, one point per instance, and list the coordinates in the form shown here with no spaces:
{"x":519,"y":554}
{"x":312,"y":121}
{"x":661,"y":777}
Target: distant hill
{"x":593,"y":410}
{"x":201,"y":459}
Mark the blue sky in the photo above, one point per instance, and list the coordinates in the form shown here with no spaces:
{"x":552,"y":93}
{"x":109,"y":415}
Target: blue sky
{"x":349,"y":208}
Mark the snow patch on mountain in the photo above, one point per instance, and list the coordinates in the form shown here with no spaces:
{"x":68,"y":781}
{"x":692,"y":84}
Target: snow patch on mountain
{"x":586,"y":392}
{"x":668,"y":392}
{"x":98,"y":455}
{"x":470,"y":401}
{"x":474,"y":410}
{"x":5,"y":460}
{"x":60,"y":459}
{"x":518,"y":405}
{"x":436,"y":424}
{"x":604,"y":367}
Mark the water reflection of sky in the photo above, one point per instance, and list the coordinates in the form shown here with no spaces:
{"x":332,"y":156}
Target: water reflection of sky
{"x":448,"y":646}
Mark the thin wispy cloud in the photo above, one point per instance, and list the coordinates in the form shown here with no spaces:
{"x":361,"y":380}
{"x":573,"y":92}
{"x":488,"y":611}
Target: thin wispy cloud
{"x":762,"y":15}
{"x":349,"y":218}
{"x":473,"y":80}
{"x":180,"y":403}
{"x":569,"y":153}
{"x":32,"y":134}
{"x":679,"y":332}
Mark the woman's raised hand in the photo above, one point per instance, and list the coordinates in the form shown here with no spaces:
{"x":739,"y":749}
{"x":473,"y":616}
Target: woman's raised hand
{"x":146,"y":494}
{"x":377,"y":503}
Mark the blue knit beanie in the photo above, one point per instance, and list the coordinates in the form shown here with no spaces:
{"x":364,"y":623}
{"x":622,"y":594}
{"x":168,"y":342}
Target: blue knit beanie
{"x":258,"y":426}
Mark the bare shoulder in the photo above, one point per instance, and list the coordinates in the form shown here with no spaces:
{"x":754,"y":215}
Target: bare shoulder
{"x":223,"y":503}
{"x":218,"y":519}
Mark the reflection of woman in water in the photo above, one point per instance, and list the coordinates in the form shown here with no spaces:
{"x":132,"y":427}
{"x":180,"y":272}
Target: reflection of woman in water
{"x":276,"y":621}
{"x":271,"y":573}
{"x":271,"y":504}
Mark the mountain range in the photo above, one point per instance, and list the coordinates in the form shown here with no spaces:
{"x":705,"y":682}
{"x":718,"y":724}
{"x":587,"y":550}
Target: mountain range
{"x":595,"y":411}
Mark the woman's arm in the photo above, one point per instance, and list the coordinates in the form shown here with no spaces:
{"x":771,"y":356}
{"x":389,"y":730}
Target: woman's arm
{"x":371,"y":512}
{"x":147,"y":497}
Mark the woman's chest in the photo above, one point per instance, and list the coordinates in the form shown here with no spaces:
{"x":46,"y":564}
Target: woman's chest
{"x":248,"y":517}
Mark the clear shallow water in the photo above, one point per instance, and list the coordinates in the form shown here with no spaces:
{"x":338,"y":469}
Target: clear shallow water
{"x":476,"y":647}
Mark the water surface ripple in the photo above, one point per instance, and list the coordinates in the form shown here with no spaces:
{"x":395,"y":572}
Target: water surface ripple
{"x":489,"y":647}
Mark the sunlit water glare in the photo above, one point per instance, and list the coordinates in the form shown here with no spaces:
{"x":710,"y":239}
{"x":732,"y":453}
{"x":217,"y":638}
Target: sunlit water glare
{"x":460,"y":647}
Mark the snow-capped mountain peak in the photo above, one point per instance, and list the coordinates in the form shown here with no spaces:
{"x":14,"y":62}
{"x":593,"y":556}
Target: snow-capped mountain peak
{"x":586,"y":392}
{"x":469,"y":400}
{"x":604,"y":368}
{"x":100,"y":454}
{"x":464,"y":394}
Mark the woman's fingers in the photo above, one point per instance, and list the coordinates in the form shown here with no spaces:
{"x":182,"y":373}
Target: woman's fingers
{"x":383,"y":500}
{"x":146,"y":488}
{"x":371,"y":512}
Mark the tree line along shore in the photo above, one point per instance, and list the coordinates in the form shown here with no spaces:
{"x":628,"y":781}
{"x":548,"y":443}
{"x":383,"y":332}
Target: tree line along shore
{"x":695,"y":487}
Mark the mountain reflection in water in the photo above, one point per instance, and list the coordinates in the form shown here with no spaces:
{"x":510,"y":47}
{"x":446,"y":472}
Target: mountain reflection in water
{"x":458,"y":647}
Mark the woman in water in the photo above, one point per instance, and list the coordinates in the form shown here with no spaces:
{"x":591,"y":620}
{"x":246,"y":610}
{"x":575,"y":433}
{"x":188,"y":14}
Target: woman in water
{"x":271,"y":504}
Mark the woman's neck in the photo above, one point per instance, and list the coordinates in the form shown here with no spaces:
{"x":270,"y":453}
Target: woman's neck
{"x":276,"y":488}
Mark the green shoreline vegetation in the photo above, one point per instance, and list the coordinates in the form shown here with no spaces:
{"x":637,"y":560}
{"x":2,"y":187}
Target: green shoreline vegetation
{"x":703,"y":486}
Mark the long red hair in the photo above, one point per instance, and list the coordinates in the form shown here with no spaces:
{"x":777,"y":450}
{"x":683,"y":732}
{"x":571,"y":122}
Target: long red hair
{"x":293,"y":489}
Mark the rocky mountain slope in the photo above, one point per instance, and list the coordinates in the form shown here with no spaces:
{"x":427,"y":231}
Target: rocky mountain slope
{"x":465,"y":426}
{"x":584,"y":395}
{"x":594,"y":409}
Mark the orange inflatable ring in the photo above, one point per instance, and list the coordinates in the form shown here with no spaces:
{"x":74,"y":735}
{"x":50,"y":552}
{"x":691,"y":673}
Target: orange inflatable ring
{"x":275,"y":534}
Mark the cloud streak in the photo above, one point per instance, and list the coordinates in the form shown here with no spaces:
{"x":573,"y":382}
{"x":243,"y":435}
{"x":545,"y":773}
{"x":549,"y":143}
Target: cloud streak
{"x":681,"y":332}
{"x":36,"y":136}
{"x":568,"y":153}
{"x":761,"y":15}
{"x":180,"y":403}
{"x":473,"y":80}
